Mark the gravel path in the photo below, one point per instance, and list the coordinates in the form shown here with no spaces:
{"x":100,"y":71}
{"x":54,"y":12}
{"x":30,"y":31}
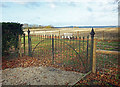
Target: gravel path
{"x":39,"y":76}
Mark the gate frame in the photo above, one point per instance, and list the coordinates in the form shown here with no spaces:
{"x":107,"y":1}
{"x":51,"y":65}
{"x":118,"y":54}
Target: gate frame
{"x":92,"y":66}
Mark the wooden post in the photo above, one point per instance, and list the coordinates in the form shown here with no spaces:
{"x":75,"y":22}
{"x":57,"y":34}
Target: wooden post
{"x":108,"y":52}
{"x":20,"y":54}
{"x":94,"y":57}
{"x":59,"y":34}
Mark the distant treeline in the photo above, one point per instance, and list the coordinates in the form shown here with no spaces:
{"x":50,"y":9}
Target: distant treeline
{"x":87,"y":27}
{"x":49,"y":26}
{"x":35,"y":27}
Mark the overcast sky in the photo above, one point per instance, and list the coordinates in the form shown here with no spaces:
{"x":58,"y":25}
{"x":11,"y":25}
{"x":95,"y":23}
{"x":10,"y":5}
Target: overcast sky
{"x":60,"y":12}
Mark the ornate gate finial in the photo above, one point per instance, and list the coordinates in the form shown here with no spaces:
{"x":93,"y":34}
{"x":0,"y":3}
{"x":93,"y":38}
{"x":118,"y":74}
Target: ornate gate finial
{"x":28,"y":31}
{"x":92,"y":32}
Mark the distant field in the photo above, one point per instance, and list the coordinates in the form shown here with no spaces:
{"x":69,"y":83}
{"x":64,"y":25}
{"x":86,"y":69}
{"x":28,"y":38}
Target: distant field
{"x":109,"y":33}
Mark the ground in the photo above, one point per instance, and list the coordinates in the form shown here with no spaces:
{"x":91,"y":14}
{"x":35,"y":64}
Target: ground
{"x":30,"y":71}
{"x":100,"y":78}
{"x":108,"y":77}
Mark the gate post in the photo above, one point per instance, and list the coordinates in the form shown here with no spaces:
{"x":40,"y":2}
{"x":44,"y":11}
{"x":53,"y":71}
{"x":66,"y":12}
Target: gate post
{"x":53,"y":49}
{"x":94,"y":57}
{"x":92,"y":43}
{"x":29,"y":43}
{"x":20,"y":54}
{"x":24,"y":42}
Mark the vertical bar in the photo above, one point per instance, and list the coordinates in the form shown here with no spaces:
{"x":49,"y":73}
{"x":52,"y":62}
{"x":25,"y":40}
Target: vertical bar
{"x":103,"y":35}
{"x":45,"y":45}
{"x":20,"y":46}
{"x":79,"y":44}
{"x":73,"y":51}
{"x":39,"y":46}
{"x":37,"y":42}
{"x":70,"y":51}
{"x":59,"y":34}
{"x":58,"y":43}
{"x":64,"y":51}
{"x":87,"y":53}
{"x":29,"y":43}
{"x":91,"y":53}
{"x":24,"y":43}
{"x":37,"y":36}
{"x":52,"y":49}
{"x":40,"y":37}
{"x":34,"y":43}
{"x":83,"y":43}
{"x":58,"y":47}
{"x":54,"y":46}
{"x":76,"y":42}
{"x":76,"y":54}
{"x":50,"y":37}
{"x":61,"y":48}
{"x":17,"y":45}
{"x":42,"y":47}
{"x":50,"y":45}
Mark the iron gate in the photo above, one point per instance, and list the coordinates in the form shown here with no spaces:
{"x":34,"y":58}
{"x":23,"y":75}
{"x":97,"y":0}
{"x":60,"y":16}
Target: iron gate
{"x":74,"y":54}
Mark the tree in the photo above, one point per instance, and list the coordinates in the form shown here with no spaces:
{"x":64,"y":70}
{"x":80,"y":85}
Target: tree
{"x":49,"y":26}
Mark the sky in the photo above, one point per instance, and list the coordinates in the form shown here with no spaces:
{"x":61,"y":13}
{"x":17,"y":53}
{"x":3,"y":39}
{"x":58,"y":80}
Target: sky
{"x":60,"y":12}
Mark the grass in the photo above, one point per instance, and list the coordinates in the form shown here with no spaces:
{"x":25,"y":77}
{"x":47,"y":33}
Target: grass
{"x":106,"y":45}
{"x":64,"y":54}
{"x":60,"y":48}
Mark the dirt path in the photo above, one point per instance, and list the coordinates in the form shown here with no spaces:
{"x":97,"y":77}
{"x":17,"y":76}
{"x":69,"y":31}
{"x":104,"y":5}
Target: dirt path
{"x":39,"y":76}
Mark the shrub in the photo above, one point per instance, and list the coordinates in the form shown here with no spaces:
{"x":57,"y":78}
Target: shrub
{"x":10,"y":33}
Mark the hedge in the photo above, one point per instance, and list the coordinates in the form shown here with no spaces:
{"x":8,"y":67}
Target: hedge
{"x":10,"y":33}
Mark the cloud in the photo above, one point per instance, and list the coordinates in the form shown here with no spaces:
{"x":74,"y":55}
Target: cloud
{"x":60,"y":0}
{"x":89,"y":9}
{"x":70,"y":11}
{"x":32,"y":4}
{"x":52,"y":5}
{"x":3,"y":5}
